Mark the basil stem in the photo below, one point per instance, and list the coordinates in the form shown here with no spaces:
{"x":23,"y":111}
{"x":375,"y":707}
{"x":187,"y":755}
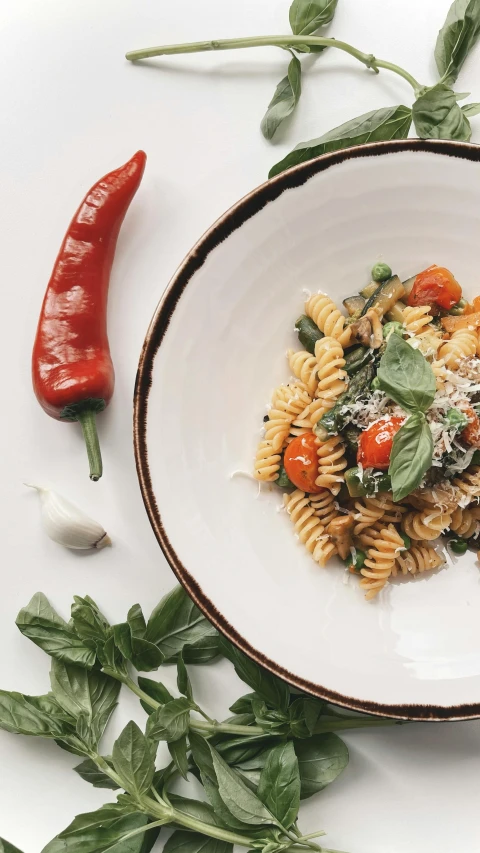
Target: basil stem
{"x":274,"y":41}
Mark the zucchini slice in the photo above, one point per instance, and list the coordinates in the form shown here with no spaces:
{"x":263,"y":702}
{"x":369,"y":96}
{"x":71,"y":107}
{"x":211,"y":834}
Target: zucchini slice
{"x":385,"y":296}
{"x":354,"y":304}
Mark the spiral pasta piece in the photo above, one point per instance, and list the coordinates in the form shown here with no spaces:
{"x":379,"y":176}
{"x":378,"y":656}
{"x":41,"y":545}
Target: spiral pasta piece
{"x":267,"y":462}
{"x":331,"y":376}
{"x":324,"y":505}
{"x":328,"y":318}
{"x":304,"y":366}
{"x":467,"y":486}
{"x":465,"y":521}
{"x":292,"y":398}
{"x":417,"y":318}
{"x":308,"y":526}
{"x":419,"y":558}
{"x":440,"y":371}
{"x":371,"y":510}
{"x":382,"y":552}
{"x":462,"y":344}
{"x":331,"y":464}
{"x":428,"y":524}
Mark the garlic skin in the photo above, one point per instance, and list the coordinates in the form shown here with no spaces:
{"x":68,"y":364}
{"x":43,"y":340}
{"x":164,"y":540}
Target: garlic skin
{"x":68,"y":525}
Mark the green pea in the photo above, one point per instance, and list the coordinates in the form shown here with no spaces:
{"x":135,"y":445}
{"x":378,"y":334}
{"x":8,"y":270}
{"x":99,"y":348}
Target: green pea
{"x":380,"y":272}
{"x":406,"y":540}
{"x":358,"y":563}
{"x":458,"y":546}
{"x":459,"y":307}
{"x":456,"y":418}
{"x":375,"y":383}
{"x":393,"y":328}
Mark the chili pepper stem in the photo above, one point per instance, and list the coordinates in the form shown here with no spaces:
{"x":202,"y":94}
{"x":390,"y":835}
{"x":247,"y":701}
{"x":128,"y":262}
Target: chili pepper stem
{"x":86,"y":419}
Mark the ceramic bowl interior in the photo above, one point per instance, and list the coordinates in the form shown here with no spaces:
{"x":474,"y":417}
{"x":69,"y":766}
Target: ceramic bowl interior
{"x":212,"y":355}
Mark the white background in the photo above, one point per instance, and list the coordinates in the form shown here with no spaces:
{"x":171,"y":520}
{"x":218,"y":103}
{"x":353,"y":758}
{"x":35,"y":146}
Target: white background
{"x":72,"y":109}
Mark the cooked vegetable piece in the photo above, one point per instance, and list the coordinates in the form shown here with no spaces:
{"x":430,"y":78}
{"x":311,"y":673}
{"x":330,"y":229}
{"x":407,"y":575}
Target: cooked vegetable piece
{"x":350,"y":437}
{"x":308,"y":333}
{"x":381,"y":272}
{"x":437,"y":287}
{"x":387,"y":293}
{"x":369,"y":289}
{"x":358,"y":563}
{"x":301,"y":463}
{"x":354,"y":304}
{"x":406,"y":539}
{"x":408,"y":284}
{"x":459,"y":308}
{"x":393,"y":328}
{"x":458,"y":546}
{"x":395,"y":315}
{"x":336,"y":418}
{"x":356,"y":358}
{"x":463,"y":321}
{"x":282,"y":480}
{"x":375,"y":443}
{"x":364,"y":484}
{"x":471,"y":433}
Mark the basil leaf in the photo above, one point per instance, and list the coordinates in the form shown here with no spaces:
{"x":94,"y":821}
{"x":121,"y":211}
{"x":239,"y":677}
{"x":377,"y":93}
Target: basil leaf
{"x":279,"y":785}
{"x":183,"y":681}
{"x":304,"y":715}
{"x":178,"y":751}
{"x":238,"y":798}
{"x":411,"y":455}
{"x":406,"y":376}
{"x":182,"y":841}
{"x":306,"y":16}
{"x":376,"y":126}
{"x":107,"y":829}
{"x":6,"y":847}
{"x":18,"y":716}
{"x":284,"y":100}
{"x":271,"y":689}
{"x":142,"y":654}
{"x":457,"y":37}
{"x":43,"y":626}
{"x":471,"y":109}
{"x":136,"y":620}
{"x":171,"y":721}
{"x":244,"y":704}
{"x":48,"y":705}
{"x":156,"y":690}
{"x":194,"y":808}
{"x":437,"y":115}
{"x":89,"y":623}
{"x":133,"y":757}
{"x":89,"y":771}
{"x":321,"y":759}
{"x":176,"y":625}
{"x":240,"y":749}
{"x":85,"y":693}
{"x":203,"y":759}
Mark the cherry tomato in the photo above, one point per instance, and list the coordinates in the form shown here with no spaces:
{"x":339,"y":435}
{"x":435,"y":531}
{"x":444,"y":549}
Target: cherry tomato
{"x":375,"y":443}
{"x":301,"y":463}
{"x":471,"y":433}
{"x":436,"y":287}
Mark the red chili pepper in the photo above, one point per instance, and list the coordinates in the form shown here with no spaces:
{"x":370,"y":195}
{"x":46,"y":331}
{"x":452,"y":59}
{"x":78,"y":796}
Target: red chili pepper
{"x":72,"y":370}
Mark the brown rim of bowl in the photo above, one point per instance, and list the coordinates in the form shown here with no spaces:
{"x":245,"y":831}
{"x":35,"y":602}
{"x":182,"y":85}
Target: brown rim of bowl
{"x":248,"y":206}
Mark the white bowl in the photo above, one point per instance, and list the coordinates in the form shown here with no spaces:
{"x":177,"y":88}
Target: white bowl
{"x":213,"y":353}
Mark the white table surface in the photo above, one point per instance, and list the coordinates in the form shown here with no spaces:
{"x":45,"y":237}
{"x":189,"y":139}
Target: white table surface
{"x":72,"y":109}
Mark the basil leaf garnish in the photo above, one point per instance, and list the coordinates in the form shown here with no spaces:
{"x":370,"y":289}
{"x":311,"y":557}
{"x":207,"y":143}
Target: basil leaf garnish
{"x":406,"y":376}
{"x":376,"y":126}
{"x":437,"y":115}
{"x":284,"y":100}
{"x":457,"y":37}
{"x":411,"y":455}
{"x":306,"y":16}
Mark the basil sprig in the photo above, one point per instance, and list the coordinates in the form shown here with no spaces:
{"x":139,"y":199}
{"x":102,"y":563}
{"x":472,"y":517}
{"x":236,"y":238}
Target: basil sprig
{"x":408,"y":379}
{"x":437,"y":115}
{"x":284,"y":100}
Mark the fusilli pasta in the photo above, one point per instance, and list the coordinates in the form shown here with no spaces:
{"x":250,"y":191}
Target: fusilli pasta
{"x":304,"y":366}
{"x":383,"y":549}
{"x":420,"y":558}
{"x":328,"y":318}
{"x":267,"y":462}
{"x":417,"y":318}
{"x":428,"y":524}
{"x":308,"y":527}
{"x":462,"y":344}
{"x":465,"y":521}
{"x":331,"y":464}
